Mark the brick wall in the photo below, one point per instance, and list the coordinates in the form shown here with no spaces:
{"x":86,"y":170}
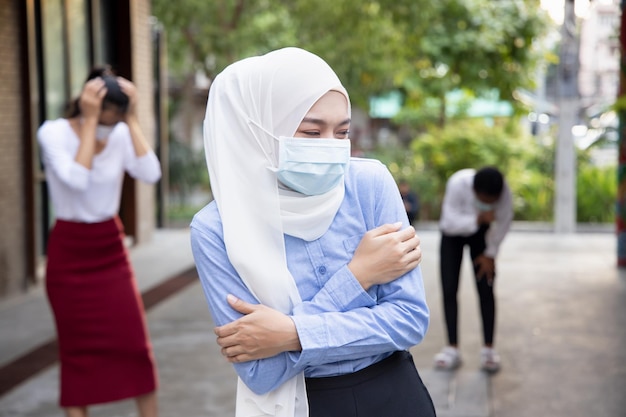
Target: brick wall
{"x":12,"y":205}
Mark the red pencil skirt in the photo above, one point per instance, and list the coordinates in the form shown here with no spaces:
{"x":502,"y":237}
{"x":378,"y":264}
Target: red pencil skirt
{"x":104,"y":349}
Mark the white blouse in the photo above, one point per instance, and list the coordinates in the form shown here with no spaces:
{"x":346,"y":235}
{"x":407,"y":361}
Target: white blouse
{"x":90,"y":195}
{"x":459,"y":214}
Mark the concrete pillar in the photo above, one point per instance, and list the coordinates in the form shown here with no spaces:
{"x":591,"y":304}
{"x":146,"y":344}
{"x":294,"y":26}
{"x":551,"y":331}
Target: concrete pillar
{"x":565,"y":180}
{"x":565,"y":169}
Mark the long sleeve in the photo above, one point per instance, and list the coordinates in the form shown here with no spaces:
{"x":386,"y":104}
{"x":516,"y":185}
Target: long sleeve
{"x":219,"y":278}
{"x":59,"y":158}
{"x":500,"y":227}
{"x":341,"y":321}
{"x":341,"y":327}
{"x":146,"y":168}
{"x":90,"y":195}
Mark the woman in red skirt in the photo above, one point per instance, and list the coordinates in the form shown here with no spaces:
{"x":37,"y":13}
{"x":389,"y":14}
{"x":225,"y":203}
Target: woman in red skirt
{"x":104,"y":348}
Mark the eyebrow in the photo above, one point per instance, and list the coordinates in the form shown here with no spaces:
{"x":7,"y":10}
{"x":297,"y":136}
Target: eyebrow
{"x":323,"y":122}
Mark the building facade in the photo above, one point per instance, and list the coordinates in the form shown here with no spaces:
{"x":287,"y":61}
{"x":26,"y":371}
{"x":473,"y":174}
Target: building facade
{"x":599,"y":55}
{"x":47,"y":48}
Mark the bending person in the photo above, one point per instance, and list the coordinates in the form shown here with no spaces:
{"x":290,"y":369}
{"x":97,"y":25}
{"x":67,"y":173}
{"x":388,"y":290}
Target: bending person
{"x":477,"y":212}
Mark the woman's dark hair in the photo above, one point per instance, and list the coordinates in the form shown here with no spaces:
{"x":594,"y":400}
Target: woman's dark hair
{"x":488,"y":180}
{"x":115,"y":97}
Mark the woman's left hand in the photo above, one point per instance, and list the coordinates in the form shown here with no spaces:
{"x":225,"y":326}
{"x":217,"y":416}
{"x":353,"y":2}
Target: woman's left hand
{"x":130,"y":90}
{"x":261,"y":333}
{"x":486,"y":268}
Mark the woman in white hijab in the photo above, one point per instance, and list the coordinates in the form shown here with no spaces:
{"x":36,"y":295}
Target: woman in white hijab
{"x":306,"y":258}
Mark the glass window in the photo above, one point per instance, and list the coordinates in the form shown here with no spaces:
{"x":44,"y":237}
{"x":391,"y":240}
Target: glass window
{"x":55,"y":67}
{"x":79,"y":54}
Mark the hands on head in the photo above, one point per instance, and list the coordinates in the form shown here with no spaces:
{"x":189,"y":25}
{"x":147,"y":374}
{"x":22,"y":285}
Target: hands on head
{"x":91,"y":98}
{"x":130,"y":90}
{"x":94,"y":92}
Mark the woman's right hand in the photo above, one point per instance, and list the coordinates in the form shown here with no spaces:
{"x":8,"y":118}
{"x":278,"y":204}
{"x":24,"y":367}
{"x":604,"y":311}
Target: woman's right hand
{"x":385,"y":254}
{"x":91,"y":98}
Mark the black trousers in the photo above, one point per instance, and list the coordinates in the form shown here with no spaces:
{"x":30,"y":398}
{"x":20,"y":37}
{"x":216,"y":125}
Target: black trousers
{"x":451,"y":256}
{"x":389,"y":388}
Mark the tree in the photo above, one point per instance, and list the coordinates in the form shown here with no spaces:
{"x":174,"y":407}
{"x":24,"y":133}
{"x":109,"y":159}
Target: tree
{"x":367,"y":43}
{"x":423,"y":48}
{"x":439,"y":152}
{"x":427,"y":48}
{"x":478,"y":46}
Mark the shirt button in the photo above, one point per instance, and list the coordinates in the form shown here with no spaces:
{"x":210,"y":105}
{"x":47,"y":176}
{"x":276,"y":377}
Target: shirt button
{"x":321,"y":270}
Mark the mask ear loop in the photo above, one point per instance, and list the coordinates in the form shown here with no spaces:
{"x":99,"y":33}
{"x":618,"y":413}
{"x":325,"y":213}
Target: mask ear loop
{"x":268,"y":156}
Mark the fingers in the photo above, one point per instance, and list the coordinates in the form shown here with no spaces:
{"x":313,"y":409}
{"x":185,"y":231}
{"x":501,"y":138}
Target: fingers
{"x":240,"y":305}
{"x":406,"y":234}
{"x":95,"y":88}
{"x":411,"y":243}
{"x":127,"y":87}
{"x":393,"y":232}
{"x":225,"y":330}
{"x":91,"y":97}
{"x":130,"y":90}
{"x":230,"y":348}
{"x":487,"y":275}
{"x":485,"y":269}
{"x":385,"y":229}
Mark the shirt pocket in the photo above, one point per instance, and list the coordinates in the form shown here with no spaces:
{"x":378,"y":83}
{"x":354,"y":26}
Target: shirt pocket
{"x":350,"y":244}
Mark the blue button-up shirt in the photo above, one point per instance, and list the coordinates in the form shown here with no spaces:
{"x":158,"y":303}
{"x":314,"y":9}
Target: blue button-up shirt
{"x":342,"y":328}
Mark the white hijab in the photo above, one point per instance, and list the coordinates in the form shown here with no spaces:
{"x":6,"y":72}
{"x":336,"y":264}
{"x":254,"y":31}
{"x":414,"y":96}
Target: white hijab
{"x":248,"y":100}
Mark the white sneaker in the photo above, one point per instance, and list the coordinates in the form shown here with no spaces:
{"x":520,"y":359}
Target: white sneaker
{"x":489,"y":360}
{"x":449,"y":358}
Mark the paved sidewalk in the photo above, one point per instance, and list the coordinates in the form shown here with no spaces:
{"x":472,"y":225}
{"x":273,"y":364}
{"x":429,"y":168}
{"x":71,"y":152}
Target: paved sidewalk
{"x":561,"y":331}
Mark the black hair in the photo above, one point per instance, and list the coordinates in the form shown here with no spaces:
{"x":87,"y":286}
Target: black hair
{"x":115,"y":97}
{"x":489,"y":181}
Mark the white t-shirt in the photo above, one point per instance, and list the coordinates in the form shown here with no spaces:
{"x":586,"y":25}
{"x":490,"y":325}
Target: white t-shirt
{"x":459,"y":213}
{"x":90,"y":195}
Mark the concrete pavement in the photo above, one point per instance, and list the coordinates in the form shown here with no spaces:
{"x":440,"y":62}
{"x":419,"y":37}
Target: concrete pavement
{"x":561,"y":329}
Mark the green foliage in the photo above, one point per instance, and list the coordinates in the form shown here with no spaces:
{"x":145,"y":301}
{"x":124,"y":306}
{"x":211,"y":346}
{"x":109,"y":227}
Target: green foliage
{"x":475,"y":45}
{"x":596,"y":193}
{"x":182,"y":214}
{"x":527,"y":163}
{"x":372,"y":45}
{"x":209,"y":35}
{"x":439,"y":152}
{"x":423,"y":48}
{"x":187,"y":170}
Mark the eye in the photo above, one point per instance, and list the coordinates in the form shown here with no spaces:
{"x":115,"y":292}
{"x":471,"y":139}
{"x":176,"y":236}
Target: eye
{"x":311,"y":133}
{"x":342,"y":134}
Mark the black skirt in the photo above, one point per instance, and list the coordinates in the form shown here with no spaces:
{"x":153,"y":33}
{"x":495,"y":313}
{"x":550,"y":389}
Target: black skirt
{"x":391,"y":387}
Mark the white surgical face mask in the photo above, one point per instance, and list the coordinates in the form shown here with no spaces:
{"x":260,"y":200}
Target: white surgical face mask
{"x":104,"y":131}
{"x":483,"y":206}
{"x":312,"y":166}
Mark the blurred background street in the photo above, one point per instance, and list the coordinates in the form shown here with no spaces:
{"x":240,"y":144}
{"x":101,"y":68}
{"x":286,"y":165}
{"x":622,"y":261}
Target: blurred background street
{"x":535,"y":87}
{"x":561,"y":330}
